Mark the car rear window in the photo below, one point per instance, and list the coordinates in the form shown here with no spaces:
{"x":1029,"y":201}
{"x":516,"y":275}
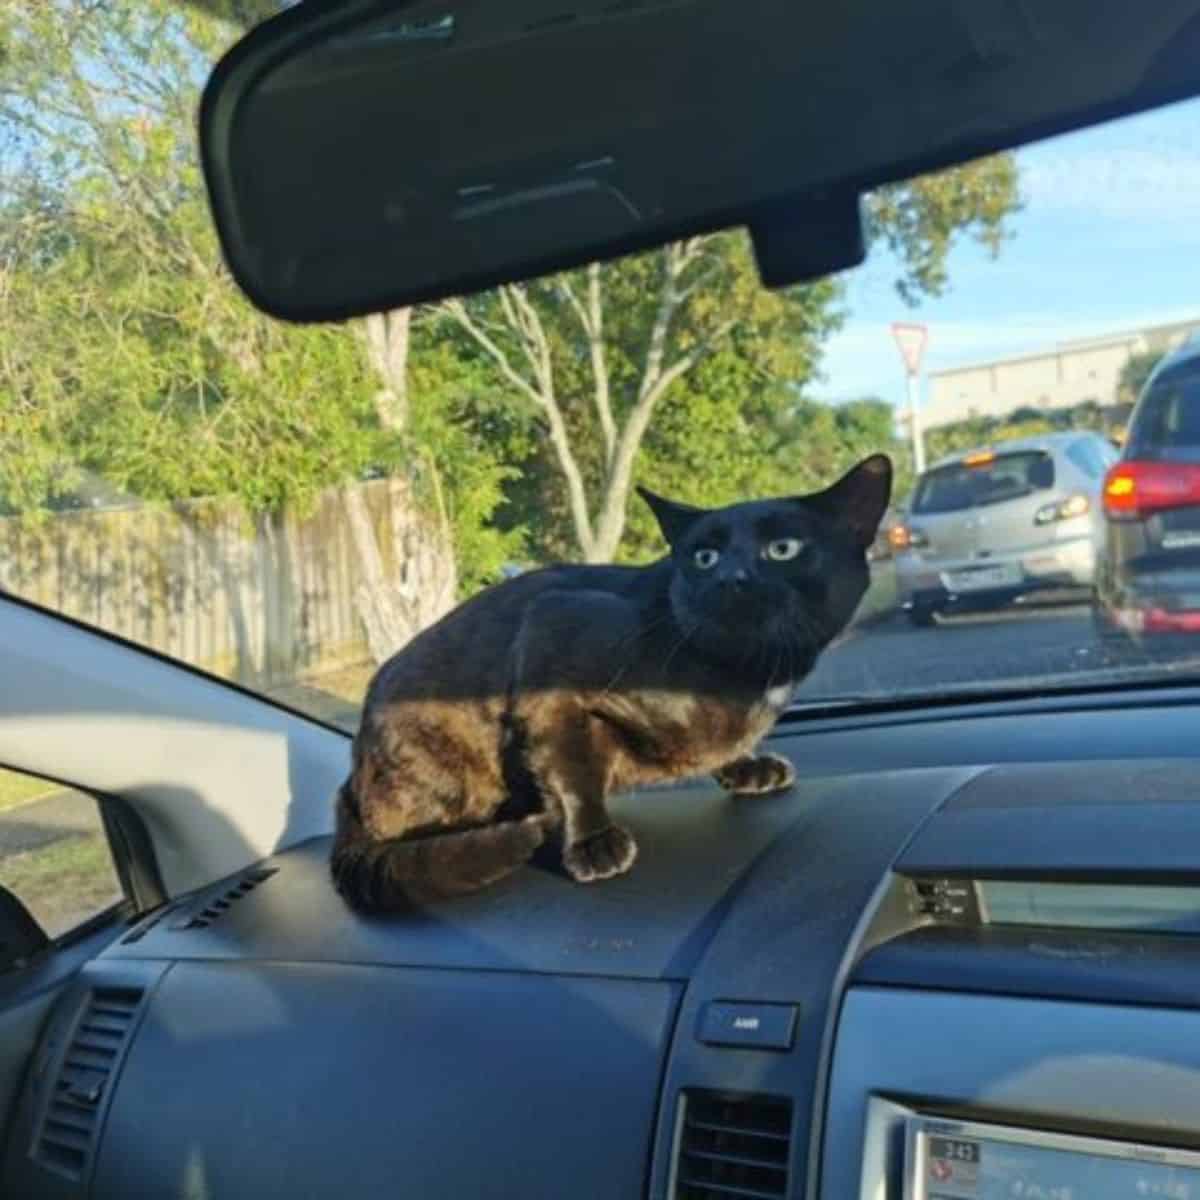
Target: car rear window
{"x":1167,"y":422}
{"x":957,"y":486}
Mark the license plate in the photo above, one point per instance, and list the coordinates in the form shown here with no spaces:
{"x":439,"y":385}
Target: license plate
{"x":981,"y":577}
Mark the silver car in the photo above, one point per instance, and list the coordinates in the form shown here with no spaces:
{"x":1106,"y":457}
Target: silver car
{"x":998,"y":522}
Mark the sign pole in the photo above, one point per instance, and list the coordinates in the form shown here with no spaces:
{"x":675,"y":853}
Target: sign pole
{"x":914,"y":416}
{"x":910,"y":340}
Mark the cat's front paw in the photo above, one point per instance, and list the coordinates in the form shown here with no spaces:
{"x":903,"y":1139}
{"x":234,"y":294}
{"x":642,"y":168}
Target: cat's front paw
{"x":610,"y":852}
{"x":757,"y":776}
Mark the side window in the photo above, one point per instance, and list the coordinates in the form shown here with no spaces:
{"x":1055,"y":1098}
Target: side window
{"x":54,"y":852}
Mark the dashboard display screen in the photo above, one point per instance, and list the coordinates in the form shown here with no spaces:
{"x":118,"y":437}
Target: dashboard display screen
{"x":1146,"y":908}
{"x":959,"y":1160}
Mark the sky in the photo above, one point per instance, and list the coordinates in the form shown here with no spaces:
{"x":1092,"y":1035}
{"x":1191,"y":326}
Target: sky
{"x":1108,"y":239}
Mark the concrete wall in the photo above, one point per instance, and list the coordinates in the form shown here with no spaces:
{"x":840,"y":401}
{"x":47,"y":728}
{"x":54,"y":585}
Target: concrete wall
{"x":1061,"y":377}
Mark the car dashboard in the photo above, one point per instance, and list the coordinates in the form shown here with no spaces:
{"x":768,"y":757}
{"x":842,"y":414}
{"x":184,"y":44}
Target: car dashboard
{"x":813,"y":994}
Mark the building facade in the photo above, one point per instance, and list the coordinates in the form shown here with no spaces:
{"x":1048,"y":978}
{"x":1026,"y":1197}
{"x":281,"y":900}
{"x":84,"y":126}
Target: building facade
{"x":1062,"y":377}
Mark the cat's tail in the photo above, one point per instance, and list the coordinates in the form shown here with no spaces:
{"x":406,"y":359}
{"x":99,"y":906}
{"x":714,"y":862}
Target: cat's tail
{"x":386,"y":875}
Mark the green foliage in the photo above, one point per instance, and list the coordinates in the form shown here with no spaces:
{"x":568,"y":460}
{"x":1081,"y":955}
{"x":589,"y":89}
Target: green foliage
{"x":1024,"y":422}
{"x":781,"y":444}
{"x":708,"y":425}
{"x":920,"y":220}
{"x":735,"y":422}
{"x":139,"y":361}
{"x":470,"y":471}
{"x":128,"y":353}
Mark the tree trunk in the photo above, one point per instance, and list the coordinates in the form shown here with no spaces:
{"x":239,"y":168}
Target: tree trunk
{"x":426,"y":577}
{"x":422,"y":584}
{"x":395,"y":606}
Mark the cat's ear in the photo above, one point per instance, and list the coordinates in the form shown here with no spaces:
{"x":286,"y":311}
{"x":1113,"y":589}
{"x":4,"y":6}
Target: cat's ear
{"x":673,"y":518}
{"x":860,"y":498}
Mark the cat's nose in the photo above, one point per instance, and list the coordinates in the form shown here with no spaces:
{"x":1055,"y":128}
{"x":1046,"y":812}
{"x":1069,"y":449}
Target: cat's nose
{"x":736,"y":580}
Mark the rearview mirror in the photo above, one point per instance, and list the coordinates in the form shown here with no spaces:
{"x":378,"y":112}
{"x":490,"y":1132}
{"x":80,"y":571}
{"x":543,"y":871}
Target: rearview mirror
{"x":362,"y":155}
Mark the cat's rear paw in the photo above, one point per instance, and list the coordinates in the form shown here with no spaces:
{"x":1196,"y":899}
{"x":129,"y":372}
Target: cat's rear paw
{"x":610,"y":852}
{"x":757,"y":776}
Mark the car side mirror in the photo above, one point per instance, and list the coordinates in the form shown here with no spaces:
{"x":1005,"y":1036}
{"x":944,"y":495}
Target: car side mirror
{"x":21,"y":937}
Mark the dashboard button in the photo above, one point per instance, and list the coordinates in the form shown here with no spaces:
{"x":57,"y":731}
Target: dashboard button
{"x":756,"y":1026}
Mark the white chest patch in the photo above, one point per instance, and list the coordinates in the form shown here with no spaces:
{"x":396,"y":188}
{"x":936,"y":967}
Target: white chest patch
{"x":780,"y":696}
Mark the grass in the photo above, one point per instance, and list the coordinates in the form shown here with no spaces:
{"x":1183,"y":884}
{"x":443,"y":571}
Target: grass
{"x":16,"y":789}
{"x":63,"y":883}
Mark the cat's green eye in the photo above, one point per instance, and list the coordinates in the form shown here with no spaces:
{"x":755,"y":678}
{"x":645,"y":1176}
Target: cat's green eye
{"x":781,"y":549}
{"x":706,"y":559}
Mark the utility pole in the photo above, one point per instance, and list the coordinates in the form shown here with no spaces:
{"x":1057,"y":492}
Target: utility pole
{"x":911,"y":340}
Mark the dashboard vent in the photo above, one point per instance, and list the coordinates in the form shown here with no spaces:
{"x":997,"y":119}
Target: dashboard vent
{"x":140,"y":930}
{"x":217,"y":907}
{"x":732,"y":1146}
{"x":66,"y":1138}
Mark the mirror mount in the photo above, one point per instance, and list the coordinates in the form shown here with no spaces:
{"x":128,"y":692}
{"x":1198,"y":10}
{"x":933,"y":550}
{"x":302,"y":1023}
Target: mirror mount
{"x":802,"y":239}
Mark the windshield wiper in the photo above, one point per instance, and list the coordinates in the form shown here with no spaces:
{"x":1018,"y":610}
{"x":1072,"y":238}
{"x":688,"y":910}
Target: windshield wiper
{"x":848,"y":700}
{"x":1115,"y":679}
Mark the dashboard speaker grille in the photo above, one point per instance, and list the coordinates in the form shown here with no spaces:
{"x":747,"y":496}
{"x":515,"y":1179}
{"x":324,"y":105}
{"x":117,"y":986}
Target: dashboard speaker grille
{"x":733,"y":1145}
{"x":66,"y":1137}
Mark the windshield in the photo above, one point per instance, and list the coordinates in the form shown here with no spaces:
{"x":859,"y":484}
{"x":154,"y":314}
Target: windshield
{"x":964,"y":485}
{"x":286,"y":506}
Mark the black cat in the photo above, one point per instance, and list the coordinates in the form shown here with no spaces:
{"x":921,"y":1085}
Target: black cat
{"x":522,"y":710}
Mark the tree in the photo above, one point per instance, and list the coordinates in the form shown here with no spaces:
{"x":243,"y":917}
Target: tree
{"x":591,"y":355}
{"x":166,"y":382}
{"x":607,"y":361}
{"x":423,"y":582}
{"x":128,"y":351}
{"x":919,"y":221}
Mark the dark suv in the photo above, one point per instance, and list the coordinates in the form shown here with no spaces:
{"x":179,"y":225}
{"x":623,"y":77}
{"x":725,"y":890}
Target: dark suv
{"x":1148,"y":576}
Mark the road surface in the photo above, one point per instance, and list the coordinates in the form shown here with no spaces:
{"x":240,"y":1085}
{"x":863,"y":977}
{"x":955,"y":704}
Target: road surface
{"x":972,"y":650}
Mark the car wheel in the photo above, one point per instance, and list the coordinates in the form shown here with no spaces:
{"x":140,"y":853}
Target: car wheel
{"x":922,"y":616}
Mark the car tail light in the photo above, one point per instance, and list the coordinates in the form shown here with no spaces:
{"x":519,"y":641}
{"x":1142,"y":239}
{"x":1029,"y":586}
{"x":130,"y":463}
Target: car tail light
{"x":904,"y":537}
{"x":1062,"y":510}
{"x":1133,"y":489}
{"x":1156,"y":620}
